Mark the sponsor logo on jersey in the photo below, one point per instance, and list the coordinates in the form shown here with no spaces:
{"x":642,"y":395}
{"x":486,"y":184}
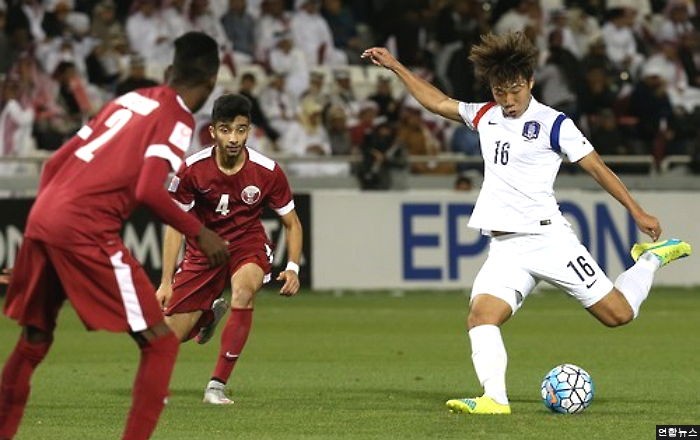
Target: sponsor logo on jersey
{"x":531,"y":130}
{"x":181,"y":136}
{"x":250,"y":194}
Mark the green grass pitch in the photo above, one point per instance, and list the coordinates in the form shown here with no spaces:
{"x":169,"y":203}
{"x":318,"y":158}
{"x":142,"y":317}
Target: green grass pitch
{"x":380,"y":366}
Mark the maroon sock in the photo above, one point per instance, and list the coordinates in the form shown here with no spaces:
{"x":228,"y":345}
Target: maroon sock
{"x":151,"y":386}
{"x":14,"y":385}
{"x":233,"y":339}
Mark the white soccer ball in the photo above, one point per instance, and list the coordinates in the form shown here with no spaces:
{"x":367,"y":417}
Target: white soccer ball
{"x":567,"y":389}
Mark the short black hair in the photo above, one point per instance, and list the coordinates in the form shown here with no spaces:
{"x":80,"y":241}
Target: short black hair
{"x":248,"y":76}
{"x":227,"y":107}
{"x":614,"y":14}
{"x":196,"y":59}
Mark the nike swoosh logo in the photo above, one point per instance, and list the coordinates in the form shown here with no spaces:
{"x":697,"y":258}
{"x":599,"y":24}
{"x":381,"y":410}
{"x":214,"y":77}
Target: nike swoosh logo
{"x":230,"y":356}
{"x":588,"y":286}
{"x":493,"y":123}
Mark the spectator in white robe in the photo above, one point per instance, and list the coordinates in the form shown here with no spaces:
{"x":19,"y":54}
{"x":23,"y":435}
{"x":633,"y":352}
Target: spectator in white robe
{"x":667,"y":65}
{"x":16,"y":122}
{"x":175,"y":15}
{"x":308,"y":137}
{"x":676,"y":23}
{"x":278,"y":104}
{"x":343,"y":94}
{"x":290,"y":61}
{"x":313,"y":35}
{"x":34,"y":11}
{"x":520,"y":17}
{"x":274,"y":19}
{"x":204,"y":20}
{"x":149,"y":34}
{"x":620,"y":42}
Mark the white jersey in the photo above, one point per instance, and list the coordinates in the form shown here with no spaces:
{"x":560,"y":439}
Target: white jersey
{"x":521,"y":160}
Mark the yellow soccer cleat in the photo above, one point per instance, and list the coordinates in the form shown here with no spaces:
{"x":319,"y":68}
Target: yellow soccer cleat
{"x":666,"y":251}
{"x":477,"y":405}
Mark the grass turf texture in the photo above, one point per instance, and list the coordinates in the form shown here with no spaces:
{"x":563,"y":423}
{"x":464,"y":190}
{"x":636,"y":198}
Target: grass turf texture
{"x":375,"y":366}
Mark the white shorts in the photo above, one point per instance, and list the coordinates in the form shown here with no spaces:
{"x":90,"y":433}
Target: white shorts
{"x":517,"y":262}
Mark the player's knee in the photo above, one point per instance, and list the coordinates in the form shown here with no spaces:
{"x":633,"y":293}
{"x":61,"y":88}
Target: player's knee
{"x":242,"y":298}
{"x":180,"y":327}
{"x":473,"y":319}
{"x":618,"y":317}
{"x":487,"y":310}
{"x":36,"y":335}
{"x":480,"y":316}
{"x":34,"y":349}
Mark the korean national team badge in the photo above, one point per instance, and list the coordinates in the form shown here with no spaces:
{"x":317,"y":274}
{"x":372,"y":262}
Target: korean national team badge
{"x":531,"y":130}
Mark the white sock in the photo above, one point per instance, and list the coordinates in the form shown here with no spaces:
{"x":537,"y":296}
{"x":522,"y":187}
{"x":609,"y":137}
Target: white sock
{"x":490,"y":360}
{"x":215,"y":384}
{"x":635,"y":282}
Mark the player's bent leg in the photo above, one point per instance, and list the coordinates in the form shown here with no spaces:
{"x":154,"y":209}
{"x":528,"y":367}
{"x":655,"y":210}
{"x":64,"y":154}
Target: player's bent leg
{"x":184,"y":325}
{"x":486,"y":309}
{"x":477,"y":405}
{"x":32,"y":347}
{"x":613,"y":310}
{"x":245,"y":283}
{"x":634,"y":284}
{"x":159,"y":348}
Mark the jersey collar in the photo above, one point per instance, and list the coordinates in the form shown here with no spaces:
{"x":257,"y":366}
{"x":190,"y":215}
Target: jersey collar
{"x":181,"y":101}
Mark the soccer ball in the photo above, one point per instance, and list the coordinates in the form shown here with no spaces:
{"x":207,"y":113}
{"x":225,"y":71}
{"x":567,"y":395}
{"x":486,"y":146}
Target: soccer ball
{"x":567,"y":389}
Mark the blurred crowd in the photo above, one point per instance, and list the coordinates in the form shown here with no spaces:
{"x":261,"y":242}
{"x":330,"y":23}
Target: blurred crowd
{"x":627,"y":71}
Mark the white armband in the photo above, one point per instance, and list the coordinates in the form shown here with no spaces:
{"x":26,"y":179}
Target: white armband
{"x":293,"y":267}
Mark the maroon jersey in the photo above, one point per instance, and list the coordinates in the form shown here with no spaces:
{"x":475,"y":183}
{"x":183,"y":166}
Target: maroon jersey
{"x":91,"y":189}
{"x":231,"y":205}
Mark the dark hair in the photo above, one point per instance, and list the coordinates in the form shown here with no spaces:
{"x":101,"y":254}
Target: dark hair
{"x":614,"y":14}
{"x":501,"y":59}
{"x":227,"y":107}
{"x":62,"y":68}
{"x":196,"y":59}
{"x":248,"y":76}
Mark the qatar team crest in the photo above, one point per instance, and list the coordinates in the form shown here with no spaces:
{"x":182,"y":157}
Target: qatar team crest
{"x":250,"y":194}
{"x":531,"y":130}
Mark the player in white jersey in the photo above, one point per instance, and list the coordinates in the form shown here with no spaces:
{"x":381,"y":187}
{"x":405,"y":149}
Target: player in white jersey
{"x":523,"y":143}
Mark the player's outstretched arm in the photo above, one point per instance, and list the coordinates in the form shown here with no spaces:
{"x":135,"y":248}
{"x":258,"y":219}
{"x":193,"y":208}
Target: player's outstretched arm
{"x":294,"y":233}
{"x":428,"y":95}
{"x":609,"y":181}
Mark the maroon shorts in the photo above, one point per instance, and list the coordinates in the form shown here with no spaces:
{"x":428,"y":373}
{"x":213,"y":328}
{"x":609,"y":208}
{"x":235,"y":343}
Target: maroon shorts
{"x":105,"y":284}
{"x":196,"y":286}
